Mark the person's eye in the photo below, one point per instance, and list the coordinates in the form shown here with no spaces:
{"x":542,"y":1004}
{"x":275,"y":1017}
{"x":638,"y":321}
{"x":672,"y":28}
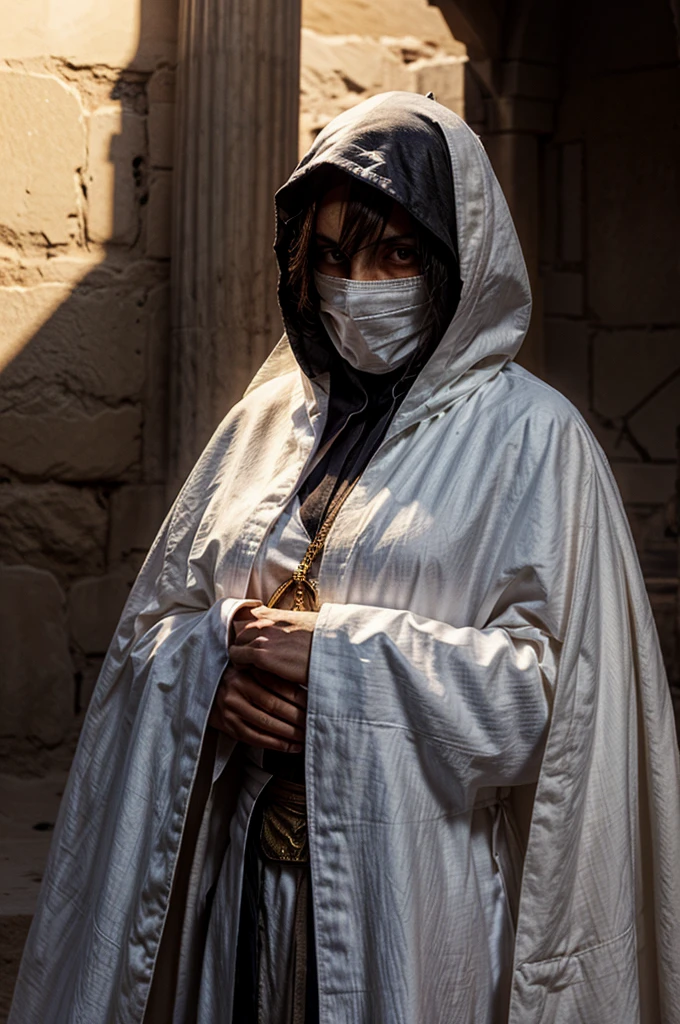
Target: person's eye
{"x":404,"y":254}
{"x":332,"y":256}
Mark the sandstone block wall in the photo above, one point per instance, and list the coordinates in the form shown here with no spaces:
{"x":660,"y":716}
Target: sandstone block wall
{"x":87,"y":107}
{"x":339,"y":71}
{"x":86,"y":143}
{"x":357,"y":48}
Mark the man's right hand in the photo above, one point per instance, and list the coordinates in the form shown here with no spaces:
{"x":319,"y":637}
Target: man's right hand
{"x":260,"y":709}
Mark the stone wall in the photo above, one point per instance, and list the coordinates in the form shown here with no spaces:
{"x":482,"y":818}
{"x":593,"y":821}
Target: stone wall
{"x":339,"y":71}
{"x":576,"y":103}
{"x":86,"y":147}
{"x":611,"y":223}
{"x":86,"y":115}
{"x":357,"y":48}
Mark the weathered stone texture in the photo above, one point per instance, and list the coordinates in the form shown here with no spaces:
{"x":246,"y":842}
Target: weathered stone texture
{"x":397,"y":19}
{"x":36,"y":675}
{"x":444,"y":76}
{"x":155,"y":395}
{"x":30,"y":269}
{"x":233,"y":153}
{"x":106,"y":446}
{"x":161,"y":134}
{"x":116,"y":152}
{"x":339,"y":71}
{"x":158,"y":226}
{"x":73,"y":346}
{"x":336,"y":73}
{"x":94,"y":608}
{"x":71,"y":400}
{"x":42,"y":146}
{"x":161,"y":86}
{"x":119,"y":33}
{"x":648,"y":399}
{"x":53,"y":526}
{"x":136,"y":515}
{"x":605,"y":194}
{"x":23,"y":311}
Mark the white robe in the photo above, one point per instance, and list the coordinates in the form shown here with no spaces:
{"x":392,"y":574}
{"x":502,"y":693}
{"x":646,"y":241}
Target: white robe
{"x":484,"y":851}
{"x":482,"y":569}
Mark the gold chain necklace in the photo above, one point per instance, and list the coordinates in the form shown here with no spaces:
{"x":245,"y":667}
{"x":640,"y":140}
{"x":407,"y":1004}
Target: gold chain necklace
{"x":307,"y":589}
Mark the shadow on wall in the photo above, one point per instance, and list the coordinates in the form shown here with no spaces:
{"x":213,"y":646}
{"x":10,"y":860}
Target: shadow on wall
{"x":576,"y":102}
{"x":88,"y":107}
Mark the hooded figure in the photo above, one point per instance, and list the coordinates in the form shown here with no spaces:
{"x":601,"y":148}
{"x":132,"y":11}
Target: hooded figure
{"x":490,"y":759}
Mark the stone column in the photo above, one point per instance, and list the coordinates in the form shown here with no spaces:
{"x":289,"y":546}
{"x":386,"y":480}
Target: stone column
{"x":237,"y":139}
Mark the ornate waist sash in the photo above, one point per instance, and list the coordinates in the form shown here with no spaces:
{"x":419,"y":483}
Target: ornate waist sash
{"x":283,"y":835}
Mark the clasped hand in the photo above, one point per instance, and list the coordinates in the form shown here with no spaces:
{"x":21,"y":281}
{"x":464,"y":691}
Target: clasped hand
{"x":262,"y":696}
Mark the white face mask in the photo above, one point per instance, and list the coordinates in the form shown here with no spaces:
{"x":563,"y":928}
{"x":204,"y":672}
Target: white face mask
{"x":375,"y":325}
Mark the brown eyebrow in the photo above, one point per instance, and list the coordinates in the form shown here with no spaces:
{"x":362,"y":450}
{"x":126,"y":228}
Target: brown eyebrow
{"x":325,"y":238}
{"x":385,"y":238}
{"x":398,"y":238}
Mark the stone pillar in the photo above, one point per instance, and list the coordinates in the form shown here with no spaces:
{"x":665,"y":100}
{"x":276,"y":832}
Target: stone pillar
{"x":237,"y":139}
{"x":520,"y":110}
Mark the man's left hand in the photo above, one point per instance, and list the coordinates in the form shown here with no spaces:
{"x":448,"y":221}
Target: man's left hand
{"x":274,"y":640}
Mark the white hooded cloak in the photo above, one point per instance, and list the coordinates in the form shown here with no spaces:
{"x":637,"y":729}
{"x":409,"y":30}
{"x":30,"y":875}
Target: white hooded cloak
{"x":481,"y":568}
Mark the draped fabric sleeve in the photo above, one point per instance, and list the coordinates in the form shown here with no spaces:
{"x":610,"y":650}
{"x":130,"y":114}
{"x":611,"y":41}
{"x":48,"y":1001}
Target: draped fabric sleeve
{"x":478,"y":699}
{"x":474,"y":699}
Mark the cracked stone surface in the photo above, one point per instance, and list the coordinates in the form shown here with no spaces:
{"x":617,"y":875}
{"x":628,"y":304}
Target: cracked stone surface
{"x":116,"y":140}
{"x":84,"y":346}
{"x":339,"y":71}
{"x":42,"y":144}
{"x":641,"y":407}
{"x":53,"y":526}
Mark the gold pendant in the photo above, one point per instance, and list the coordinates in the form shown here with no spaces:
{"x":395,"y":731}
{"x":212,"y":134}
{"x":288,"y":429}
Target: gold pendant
{"x":305,"y":594}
